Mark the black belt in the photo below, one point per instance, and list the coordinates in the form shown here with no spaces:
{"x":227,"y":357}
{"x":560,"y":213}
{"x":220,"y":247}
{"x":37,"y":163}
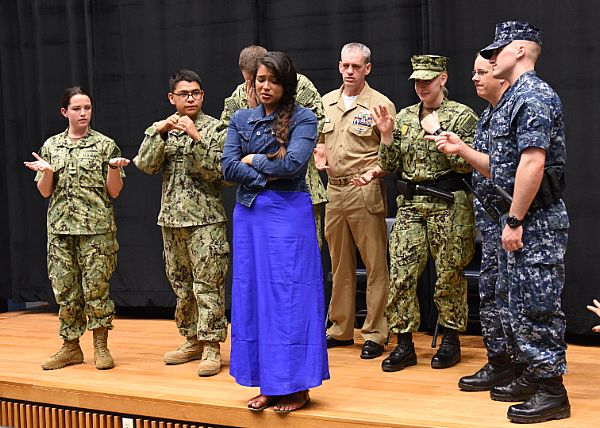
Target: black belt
{"x":450,"y":182}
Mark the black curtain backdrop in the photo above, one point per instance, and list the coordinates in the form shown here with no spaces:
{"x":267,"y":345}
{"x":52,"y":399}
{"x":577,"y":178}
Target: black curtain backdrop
{"x":124,"y":52}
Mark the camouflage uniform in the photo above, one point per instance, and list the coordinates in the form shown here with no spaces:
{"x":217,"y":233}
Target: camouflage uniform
{"x":530,"y":281}
{"x":193,"y":220}
{"x":306,"y":96}
{"x":428,"y":224}
{"x":82,"y":244}
{"x":491,"y":327}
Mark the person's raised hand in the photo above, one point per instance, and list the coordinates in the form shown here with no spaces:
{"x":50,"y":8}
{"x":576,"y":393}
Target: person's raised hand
{"x":118,"y":162}
{"x":250,"y":94}
{"x":382,"y":118}
{"x":39,"y":164}
{"x":595,"y":309}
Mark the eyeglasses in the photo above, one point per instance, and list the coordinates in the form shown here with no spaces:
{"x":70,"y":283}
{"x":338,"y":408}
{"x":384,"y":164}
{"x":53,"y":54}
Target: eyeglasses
{"x":185,"y":95}
{"x":479,"y":73}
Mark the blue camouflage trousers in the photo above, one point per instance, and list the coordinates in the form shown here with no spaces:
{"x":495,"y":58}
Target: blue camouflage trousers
{"x":530,"y":283}
{"x":196,"y":263}
{"x":494,"y":338}
{"x":79,"y":267}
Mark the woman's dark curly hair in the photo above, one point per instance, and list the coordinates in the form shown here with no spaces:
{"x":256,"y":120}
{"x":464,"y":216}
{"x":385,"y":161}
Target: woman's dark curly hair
{"x":285,"y":72}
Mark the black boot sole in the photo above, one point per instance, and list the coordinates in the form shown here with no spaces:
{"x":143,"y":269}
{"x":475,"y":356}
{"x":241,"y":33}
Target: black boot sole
{"x":560,"y":413}
{"x":473,"y":388}
{"x":397,"y":368}
{"x":446,"y":365}
{"x":478,"y":388}
{"x":511,"y":398}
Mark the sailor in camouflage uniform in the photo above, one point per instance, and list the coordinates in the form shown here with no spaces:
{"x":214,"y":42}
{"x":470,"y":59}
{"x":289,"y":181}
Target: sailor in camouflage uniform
{"x":528,"y":137}
{"x":185,"y":147}
{"x":527,"y":158}
{"x":80,"y":169}
{"x":306,"y":96}
{"x":424,"y":223}
{"x":499,"y":368}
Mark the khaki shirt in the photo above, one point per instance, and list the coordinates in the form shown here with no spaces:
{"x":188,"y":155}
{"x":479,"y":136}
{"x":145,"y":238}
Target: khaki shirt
{"x":306,"y":96}
{"x":351,"y":137}
{"x":417,"y":158}
{"x":192,"y":177}
{"x":80,"y":204}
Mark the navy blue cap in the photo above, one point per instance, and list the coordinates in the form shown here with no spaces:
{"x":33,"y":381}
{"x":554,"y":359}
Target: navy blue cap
{"x":508,"y":31}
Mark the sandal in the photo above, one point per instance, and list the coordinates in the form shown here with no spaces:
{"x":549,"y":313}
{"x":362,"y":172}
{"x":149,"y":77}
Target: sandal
{"x":264,"y":400}
{"x":289,"y":400}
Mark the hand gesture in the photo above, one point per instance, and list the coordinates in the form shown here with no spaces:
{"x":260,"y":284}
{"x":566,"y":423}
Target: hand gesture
{"x":251,"y":94}
{"x":320,"y":157}
{"x":366,"y":178}
{"x":431,"y":122}
{"x":118,"y":162}
{"x":188,"y":126}
{"x":383,"y":119}
{"x":39,"y":164}
{"x":447,"y":142}
{"x":595,"y":309}
{"x":168,"y":124}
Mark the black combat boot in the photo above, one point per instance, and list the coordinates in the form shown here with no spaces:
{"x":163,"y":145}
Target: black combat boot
{"x":497,"y":371}
{"x":448,"y":354}
{"x":402,"y":356}
{"x":549,"y":402}
{"x":520,"y":389}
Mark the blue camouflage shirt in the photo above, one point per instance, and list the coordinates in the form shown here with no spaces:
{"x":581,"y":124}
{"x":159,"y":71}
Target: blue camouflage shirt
{"x":529,"y":114}
{"x":483,"y":185}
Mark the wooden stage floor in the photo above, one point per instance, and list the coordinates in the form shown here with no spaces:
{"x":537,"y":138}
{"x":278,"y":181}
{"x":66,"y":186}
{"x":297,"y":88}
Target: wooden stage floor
{"x":359,"y":394}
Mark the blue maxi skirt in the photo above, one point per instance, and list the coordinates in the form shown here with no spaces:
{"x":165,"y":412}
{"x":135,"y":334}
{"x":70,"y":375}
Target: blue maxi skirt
{"x":277,"y":309}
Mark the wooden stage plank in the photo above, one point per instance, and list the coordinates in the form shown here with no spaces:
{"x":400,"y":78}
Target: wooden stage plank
{"x":359,"y":394}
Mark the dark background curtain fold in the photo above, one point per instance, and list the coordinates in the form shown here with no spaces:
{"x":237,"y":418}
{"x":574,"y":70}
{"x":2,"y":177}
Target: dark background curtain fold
{"x":124,"y":52}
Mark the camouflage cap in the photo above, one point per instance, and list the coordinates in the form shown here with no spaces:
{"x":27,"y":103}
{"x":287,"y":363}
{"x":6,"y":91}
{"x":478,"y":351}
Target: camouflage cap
{"x":508,"y":31}
{"x":427,"y":67}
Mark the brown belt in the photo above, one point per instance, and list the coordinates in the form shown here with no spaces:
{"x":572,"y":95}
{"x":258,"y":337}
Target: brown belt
{"x":347,"y":180}
{"x":341,"y":181}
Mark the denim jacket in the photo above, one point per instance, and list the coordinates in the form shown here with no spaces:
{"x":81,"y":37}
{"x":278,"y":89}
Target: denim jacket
{"x":250,"y":131}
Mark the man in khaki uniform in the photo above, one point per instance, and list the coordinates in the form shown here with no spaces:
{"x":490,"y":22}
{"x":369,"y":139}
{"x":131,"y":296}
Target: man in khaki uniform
{"x":354,"y":216}
{"x":307,"y":96}
{"x":185,"y":148}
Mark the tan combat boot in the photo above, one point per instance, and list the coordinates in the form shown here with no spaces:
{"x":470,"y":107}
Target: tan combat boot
{"x":211,"y":359}
{"x":190,"y":350}
{"x":69,"y":354}
{"x":102,"y":356}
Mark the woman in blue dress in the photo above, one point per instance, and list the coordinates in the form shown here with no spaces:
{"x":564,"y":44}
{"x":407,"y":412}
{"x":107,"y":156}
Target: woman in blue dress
{"x":277,"y":309}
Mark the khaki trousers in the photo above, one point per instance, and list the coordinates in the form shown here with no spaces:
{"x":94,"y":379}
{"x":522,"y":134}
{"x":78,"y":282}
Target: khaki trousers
{"x":355,"y":218}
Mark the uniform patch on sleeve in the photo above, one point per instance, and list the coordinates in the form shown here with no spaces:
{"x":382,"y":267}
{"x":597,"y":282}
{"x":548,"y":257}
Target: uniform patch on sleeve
{"x":470,"y":123}
{"x":304,"y":97}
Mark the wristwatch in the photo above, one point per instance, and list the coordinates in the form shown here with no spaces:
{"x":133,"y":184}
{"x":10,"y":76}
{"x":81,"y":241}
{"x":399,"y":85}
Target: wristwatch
{"x":438,"y":131}
{"x":513,"y":222}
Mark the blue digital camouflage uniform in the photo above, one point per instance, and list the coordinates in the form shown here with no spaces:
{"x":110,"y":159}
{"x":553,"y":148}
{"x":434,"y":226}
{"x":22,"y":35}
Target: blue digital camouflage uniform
{"x":82,"y":243}
{"x":429,"y":224}
{"x":193,"y":221}
{"x":531,"y":280}
{"x":489,"y":314}
{"x":306,"y":96}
